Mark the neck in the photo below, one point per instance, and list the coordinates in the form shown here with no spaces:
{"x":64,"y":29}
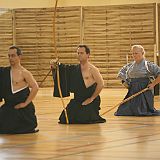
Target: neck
{"x":15,"y":66}
{"x":139,"y":61}
{"x":84,"y":63}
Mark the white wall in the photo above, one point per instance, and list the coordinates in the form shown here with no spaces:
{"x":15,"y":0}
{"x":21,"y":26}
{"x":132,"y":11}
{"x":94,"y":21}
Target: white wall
{"x":51,"y":3}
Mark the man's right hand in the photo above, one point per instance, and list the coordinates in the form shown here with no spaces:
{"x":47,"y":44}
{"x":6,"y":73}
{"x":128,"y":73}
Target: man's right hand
{"x":54,"y":63}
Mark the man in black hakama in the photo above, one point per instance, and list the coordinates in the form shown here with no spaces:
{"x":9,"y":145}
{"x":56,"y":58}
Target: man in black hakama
{"x":84,"y":107}
{"x":17,"y":113}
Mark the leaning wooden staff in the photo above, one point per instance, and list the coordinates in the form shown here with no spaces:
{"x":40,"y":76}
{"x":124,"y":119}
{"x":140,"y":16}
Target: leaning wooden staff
{"x":58,"y":77}
{"x":57,"y":67}
{"x":126,"y":100}
{"x":40,"y":85}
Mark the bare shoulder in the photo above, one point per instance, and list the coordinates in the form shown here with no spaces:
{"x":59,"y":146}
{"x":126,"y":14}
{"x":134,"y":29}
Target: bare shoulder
{"x":93,"y":68}
{"x":29,"y":78}
{"x":27,"y":75}
{"x":25,"y":72}
{"x":96,"y":74}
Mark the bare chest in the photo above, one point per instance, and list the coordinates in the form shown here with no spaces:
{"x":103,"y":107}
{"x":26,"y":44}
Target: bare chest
{"x":17,"y":77}
{"x":88,"y":78}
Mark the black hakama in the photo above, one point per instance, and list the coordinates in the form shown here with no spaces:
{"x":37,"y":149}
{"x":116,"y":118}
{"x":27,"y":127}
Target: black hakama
{"x":15,"y":121}
{"x":71,"y":78}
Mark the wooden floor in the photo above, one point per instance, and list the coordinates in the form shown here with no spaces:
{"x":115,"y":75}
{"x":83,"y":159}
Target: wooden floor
{"x":120,"y":138}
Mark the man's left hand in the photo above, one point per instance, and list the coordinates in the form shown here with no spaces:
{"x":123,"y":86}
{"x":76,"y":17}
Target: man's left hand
{"x":151,"y":86}
{"x":87,"y":101}
{"x":20,"y":105}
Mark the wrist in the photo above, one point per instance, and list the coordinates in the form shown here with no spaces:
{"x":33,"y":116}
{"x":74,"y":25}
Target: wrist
{"x":91,"y":98}
{"x":153,"y":83}
{"x":26,"y":103}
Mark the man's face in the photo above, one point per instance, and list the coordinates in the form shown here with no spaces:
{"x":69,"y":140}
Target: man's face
{"x":13,"y":57}
{"x":137,"y":54}
{"x":82,"y":55}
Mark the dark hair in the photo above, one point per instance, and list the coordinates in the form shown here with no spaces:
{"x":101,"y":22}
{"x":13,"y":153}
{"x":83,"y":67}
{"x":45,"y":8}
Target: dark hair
{"x":19,"y":52}
{"x":86,"y":48}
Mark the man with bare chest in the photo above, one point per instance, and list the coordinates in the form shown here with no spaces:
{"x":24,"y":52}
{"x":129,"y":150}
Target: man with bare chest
{"x":86,"y":82}
{"x":17,"y":114}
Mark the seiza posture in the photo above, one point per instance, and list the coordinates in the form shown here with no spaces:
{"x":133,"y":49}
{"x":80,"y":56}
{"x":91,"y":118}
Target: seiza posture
{"x":85,"y":81}
{"x":136,"y":76}
{"x":17,"y":113}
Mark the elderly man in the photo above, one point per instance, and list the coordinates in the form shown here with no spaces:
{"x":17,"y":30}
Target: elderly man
{"x":138,"y":75}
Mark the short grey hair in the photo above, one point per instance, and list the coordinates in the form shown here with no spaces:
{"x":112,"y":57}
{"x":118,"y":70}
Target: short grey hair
{"x":138,"y":46}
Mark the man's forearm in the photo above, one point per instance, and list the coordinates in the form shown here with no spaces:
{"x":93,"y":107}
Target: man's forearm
{"x":97,"y":91}
{"x":156,"y":81}
{"x":32,"y":95}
